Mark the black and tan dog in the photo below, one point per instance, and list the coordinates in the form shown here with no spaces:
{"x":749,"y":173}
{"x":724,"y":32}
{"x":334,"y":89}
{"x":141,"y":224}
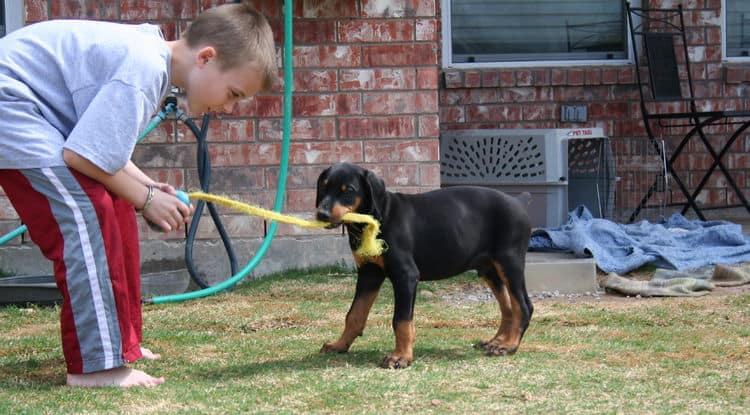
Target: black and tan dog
{"x":430,"y":236}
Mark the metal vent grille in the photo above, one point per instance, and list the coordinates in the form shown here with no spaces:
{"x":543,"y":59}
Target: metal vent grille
{"x":492,"y":157}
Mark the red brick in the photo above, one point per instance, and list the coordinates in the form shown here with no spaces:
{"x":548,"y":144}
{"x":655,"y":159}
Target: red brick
{"x":315,"y":80}
{"x":175,"y":177}
{"x":341,"y":56}
{"x":260,"y":106}
{"x":539,"y":111}
{"x":609,"y":76}
{"x":593,"y":76}
{"x":325,"y":152}
{"x":427,"y":78}
{"x":301,"y":200}
{"x":401,"y":8}
{"x":164,"y":133}
{"x":400,"y":151}
{"x":507,"y":78}
{"x":377,"y":79}
{"x":35,"y":11}
{"x":395,"y":175}
{"x":67,"y":9}
{"x":244,"y":154}
{"x":452,"y":114}
{"x":541,"y":77}
{"x":454,"y":79}
{"x":316,"y":128}
{"x":399,"y":55}
{"x":377,"y":127}
{"x":430,"y":175}
{"x":427,"y":30}
{"x":524,"y":77}
{"x":313,"y":31}
{"x":298,"y":176}
{"x":472,"y":79}
{"x":154,"y":10}
{"x":558,"y":76}
{"x":494,"y":112}
{"x":490,"y":79}
{"x":325,"y":9}
{"x":381,"y":31}
{"x":164,"y":155}
{"x":326,"y":104}
{"x":429,"y":126}
{"x":576,"y":77}
{"x":229,"y":130}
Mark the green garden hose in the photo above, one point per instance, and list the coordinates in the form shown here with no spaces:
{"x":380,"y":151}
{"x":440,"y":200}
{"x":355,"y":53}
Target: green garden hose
{"x":280,"y":187}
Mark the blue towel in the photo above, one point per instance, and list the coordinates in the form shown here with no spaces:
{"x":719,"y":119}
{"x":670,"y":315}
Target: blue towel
{"x":678,"y":243}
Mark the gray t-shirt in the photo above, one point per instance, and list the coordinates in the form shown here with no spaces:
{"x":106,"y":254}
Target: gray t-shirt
{"x":87,"y":86}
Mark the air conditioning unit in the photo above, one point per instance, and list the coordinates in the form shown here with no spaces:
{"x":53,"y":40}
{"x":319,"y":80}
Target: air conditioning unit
{"x":516,"y":161}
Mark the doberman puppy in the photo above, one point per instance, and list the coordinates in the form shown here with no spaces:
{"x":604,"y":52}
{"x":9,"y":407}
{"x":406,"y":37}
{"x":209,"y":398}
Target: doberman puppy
{"x":430,"y":236}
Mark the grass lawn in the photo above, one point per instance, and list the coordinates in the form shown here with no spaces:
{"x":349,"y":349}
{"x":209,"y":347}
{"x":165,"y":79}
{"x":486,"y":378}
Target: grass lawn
{"x":255,"y":350}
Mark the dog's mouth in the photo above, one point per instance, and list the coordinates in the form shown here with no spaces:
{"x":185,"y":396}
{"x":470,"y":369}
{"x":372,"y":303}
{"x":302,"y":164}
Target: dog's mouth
{"x":333,"y":217}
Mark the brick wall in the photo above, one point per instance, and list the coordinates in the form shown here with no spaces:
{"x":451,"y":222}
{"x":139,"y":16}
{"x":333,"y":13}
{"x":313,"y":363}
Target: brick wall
{"x":366,"y":91}
{"x":531,"y":98}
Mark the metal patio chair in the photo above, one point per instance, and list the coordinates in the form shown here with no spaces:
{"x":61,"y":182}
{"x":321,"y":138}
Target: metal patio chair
{"x":665,"y":84}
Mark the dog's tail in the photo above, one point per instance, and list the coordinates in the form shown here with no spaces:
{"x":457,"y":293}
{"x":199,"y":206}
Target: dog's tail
{"x":524,"y":198}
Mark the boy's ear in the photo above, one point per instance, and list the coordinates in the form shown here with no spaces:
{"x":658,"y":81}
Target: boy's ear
{"x":205,"y":54}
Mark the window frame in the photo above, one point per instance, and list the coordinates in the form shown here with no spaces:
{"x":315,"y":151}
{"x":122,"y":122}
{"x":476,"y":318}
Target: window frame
{"x":13,"y":11}
{"x":447,"y":50}
{"x":725,"y":58}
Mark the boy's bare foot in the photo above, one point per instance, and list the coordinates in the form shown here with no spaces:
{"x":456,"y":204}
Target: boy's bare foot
{"x":149,"y":355}
{"x":123,"y":377}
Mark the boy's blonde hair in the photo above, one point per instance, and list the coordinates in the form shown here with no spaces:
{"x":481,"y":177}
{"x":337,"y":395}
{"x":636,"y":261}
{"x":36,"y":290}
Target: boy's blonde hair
{"x":240,"y":34}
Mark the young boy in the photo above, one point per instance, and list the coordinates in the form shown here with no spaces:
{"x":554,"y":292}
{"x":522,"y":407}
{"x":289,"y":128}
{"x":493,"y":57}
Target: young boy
{"x":74,"y":96}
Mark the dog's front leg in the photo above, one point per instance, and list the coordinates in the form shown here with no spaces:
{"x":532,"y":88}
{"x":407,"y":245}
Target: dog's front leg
{"x":404,"y":293}
{"x":369,"y":279}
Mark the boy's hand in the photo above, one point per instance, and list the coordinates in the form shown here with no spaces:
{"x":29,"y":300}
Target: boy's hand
{"x":166,"y":210}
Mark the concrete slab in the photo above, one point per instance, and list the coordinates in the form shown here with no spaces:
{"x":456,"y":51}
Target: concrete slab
{"x":560,"y":272}
{"x":545,"y":272}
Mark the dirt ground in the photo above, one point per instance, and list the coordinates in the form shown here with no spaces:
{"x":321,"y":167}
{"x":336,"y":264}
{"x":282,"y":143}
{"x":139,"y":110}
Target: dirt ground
{"x":478,"y":292}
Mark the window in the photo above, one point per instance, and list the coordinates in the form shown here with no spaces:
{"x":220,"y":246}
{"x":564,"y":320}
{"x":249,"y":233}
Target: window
{"x":11,"y":16}
{"x":533,"y":32}
{"x":737,"y":28}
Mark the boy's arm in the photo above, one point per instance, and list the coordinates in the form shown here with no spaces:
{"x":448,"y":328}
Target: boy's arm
{"x":165,"y":210}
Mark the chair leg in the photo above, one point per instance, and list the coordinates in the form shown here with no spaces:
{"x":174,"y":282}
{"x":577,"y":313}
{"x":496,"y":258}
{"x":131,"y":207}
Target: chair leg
{"x":717,"y":162}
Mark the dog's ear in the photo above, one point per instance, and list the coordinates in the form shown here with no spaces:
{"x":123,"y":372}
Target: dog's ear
{"x":375,"y":190}
{"x":319,"y":188}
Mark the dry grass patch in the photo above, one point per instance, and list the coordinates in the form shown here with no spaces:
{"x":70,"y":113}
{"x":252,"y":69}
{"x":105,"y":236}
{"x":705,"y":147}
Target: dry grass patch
{"x":255,"y":350}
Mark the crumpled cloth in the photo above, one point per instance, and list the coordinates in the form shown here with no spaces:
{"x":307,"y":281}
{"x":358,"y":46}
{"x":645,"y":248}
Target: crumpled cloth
{"x":677,"y":243}
{"x":670,"y":283}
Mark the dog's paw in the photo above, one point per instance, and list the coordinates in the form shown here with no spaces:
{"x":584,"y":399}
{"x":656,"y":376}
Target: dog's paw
{"x":495,"y":348}
{"x":395,"y":362}
{"x":334,"y":347}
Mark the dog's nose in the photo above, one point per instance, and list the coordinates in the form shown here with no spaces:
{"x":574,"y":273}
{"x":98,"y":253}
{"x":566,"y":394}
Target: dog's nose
{"x":323,"y":215}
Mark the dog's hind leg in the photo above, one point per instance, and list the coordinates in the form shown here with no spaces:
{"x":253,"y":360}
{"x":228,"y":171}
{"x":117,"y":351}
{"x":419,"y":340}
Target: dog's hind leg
{"x":506,"y":281}
{"x":369,"y":279}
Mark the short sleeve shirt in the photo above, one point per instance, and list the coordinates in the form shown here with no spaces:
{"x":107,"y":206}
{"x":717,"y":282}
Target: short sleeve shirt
{"x":87,"y":86}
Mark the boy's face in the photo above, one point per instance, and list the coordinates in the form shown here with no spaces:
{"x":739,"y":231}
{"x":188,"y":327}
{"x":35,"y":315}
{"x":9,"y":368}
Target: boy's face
{"x":209,"y":89}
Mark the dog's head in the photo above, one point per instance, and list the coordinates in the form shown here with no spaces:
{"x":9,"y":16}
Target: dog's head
{"x":346,"y":187}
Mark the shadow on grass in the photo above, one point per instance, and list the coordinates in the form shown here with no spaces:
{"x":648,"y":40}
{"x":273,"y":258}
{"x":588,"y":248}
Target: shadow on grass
{"x":359,"y":360}
{"x":43,"y":375}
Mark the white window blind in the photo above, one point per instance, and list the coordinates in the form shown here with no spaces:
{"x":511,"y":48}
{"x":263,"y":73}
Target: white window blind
{"x":737,"y":28}
{"x":535,"y":30}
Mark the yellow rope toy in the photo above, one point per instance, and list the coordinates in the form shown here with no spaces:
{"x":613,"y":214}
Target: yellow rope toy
{"x":370,"y":246}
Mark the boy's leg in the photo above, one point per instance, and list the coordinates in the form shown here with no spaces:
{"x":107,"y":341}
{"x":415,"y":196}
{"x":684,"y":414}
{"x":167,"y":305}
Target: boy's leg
{"x":132,"y":262}
{"x":73,"y":220}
